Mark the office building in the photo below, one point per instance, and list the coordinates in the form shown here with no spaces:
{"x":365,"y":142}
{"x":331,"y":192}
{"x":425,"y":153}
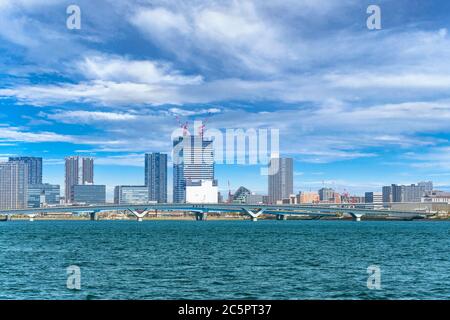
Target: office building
{"x":241,"y":194}
{"x":156,"y":176}
{"x":281,"y":179}
{"x":202,"y":191}
{"x":374,"y":199}
{"x":193,"y":159}
{"x":326,"y":194}
{"x":43,"y":195}
{"x":88,"y":194}
{"x":34,"y":165}
{"x":254,"y":198}
{"x":13,"y":185}
{"x":79,"y":171}
{"x":403,"y":193}
{"x":131,"y":195}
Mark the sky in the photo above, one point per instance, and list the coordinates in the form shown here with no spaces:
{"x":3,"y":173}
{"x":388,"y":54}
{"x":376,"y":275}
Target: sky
{"x":355,"y":108}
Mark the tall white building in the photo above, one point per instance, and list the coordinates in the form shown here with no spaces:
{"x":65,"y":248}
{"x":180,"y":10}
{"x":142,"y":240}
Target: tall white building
{"x":193,"y":160}
{"x":13,"y":185}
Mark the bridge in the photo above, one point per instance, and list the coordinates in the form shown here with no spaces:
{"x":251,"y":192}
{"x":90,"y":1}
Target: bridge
{"x":281,"y":212}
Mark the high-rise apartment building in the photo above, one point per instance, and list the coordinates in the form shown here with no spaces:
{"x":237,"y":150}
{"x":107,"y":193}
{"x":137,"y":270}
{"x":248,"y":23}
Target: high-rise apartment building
{"x":193,"y":159}
{"x":156,"y":176}
{"x":427,"y":185}
{"x":13,"y":185}
{"x":79,"y":171}
{"x":402,"y":193}
{"x":34,"y":165}
{"x":281,"y":179}
{"x":87,"y":173}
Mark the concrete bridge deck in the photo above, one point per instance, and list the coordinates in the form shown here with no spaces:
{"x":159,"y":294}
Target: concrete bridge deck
{"x":201,"y":210}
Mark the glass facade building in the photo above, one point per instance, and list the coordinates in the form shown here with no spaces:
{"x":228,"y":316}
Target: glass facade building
{"x":89,"y":194}
{"x":131,"y":195}
{"x":156,"y":176}
{"x":40,"y":195}
{"x":34,"y":168}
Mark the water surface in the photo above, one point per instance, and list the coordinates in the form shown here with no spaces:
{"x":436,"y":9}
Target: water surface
{"x":224,"y":259}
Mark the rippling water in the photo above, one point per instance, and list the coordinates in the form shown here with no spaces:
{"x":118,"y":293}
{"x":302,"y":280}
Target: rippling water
{"x":224,"y":259}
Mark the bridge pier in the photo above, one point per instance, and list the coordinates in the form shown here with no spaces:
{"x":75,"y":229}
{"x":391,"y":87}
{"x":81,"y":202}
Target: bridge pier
{"x":139,"y":215}
{"x":282,"y":217}
{"x":93,"y":215}
{"x":254,"y":215}
{"x":201,"y":216}
{"x":356,"y":216}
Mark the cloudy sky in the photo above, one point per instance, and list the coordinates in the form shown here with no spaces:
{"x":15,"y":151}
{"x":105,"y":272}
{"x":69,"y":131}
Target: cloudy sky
{"x":355,"y":108}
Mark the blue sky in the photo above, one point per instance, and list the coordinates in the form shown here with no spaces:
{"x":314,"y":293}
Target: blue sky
{"x":355,"y":108}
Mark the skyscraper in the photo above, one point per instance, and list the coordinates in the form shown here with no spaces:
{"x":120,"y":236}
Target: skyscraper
{"x":13,"y":185}
{"x":281,"y":179}
{"x":193,"y":159}
{"x":87,"y":174}
{"x":156,"y":176}
{"x":34,"y":168}
{"x":78,"y":171}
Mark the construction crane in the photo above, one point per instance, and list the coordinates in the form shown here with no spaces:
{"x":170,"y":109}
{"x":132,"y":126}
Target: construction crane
{"x":201,"y":129}
{"x":183,"y":126}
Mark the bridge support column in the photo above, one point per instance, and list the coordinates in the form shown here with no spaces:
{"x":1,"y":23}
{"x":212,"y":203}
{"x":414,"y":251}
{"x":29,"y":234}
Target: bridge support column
{"x":254,"y":215}
{"x":356,"y":216}
{"x":201,"y":216}
{"x":139,"y":215}
{"x":93,"y":215}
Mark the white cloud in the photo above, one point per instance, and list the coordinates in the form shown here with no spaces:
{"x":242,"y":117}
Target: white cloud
{"x":86,"y":117}
{"x":16,"y":134}
{"x":121,"y":70}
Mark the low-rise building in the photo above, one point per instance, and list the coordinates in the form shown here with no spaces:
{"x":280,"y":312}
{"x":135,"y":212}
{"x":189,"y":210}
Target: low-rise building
{"x":89,"y":194}
{"x":42,"y":195}
{"x":202,"y":191}
{"x":131,"y":195}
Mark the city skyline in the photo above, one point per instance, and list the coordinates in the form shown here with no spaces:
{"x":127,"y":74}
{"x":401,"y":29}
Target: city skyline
{"x":351,"y":120}
{"x":280,"y":185}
